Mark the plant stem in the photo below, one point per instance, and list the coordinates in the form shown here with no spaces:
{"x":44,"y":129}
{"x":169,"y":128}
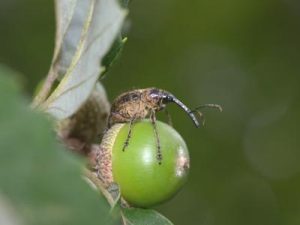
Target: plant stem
{"x":100,"y":185}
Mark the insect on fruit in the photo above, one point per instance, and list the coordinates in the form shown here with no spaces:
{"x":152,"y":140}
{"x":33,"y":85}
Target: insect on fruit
{"x":139,"y":104}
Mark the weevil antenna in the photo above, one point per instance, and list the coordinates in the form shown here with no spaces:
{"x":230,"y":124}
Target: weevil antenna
{"x":216,"y":106}
{"x":201,"y":116}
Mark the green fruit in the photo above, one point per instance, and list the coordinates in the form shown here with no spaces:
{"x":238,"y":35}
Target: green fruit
{"x":142,"y":180}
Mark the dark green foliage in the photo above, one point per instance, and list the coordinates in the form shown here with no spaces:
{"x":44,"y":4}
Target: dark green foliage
{"x":114,"y":53}
{"x":40,"y":179}
{"x":144,"y":217}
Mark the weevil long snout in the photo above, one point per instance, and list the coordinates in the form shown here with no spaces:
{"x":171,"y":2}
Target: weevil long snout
{"x":168,"y":98}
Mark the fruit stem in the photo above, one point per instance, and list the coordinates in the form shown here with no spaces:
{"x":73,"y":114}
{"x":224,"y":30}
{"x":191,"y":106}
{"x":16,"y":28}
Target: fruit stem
{"x":100,"y":185}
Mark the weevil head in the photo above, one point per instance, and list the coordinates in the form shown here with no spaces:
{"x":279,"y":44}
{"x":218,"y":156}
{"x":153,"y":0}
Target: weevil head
{"x":161,"y":98}
{"x":153,"y":97}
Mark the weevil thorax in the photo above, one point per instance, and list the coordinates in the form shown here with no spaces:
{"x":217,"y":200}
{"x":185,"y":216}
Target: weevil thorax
{"x":132,"y":104}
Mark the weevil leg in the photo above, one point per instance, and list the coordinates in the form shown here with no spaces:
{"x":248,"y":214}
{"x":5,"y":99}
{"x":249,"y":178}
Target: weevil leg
{"x":129,"y":134}
{"x":169,"y":118}
{"x":159,"y":153}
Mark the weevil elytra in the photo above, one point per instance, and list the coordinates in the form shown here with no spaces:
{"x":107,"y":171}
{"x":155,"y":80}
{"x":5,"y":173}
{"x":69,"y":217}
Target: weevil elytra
{"x":138,"y":104}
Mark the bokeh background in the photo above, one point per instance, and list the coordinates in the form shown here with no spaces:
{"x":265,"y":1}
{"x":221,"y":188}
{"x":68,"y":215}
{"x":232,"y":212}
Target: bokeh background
{"x":244,"y":55}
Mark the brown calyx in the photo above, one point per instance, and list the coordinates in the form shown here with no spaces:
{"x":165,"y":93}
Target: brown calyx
{"x":104,"y":155}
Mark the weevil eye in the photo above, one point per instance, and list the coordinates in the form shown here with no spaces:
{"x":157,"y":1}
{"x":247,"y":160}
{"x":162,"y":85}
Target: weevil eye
{"x":155,"y":94}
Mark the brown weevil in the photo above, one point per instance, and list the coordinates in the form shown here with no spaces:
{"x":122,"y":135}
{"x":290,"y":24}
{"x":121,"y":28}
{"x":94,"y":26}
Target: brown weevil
{"x":139,"y":104}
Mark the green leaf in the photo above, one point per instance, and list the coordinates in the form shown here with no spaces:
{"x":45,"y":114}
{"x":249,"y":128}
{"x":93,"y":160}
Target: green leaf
{"x":114,"y":53}
{"x":85,"y":33}
{"x":135,"y":216}
{"x":124,"y":3}
{"x":41,"y":180}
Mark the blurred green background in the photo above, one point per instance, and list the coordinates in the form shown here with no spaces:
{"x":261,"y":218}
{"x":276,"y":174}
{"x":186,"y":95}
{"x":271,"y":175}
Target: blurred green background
{"x":244,"y":55}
